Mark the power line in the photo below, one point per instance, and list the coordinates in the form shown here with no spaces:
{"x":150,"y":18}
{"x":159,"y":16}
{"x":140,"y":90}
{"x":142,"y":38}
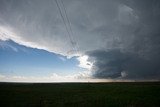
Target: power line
{"x":65,"y":23}
{"x":69,"y":23}
{"x":70,"y":27}
{"x":63,"y":18}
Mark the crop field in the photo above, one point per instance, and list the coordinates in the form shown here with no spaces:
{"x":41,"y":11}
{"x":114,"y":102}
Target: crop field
{"x":132,"y":94}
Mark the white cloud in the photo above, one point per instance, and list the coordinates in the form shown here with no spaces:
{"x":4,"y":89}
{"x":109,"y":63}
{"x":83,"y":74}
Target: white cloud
{"x":80,"y":77}
{"x":84,"y":63}
{"x":6,"y":33}
{"x":57,"y":78}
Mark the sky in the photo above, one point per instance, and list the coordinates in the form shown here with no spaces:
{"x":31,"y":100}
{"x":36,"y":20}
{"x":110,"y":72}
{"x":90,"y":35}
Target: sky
{"x":79,"y":40}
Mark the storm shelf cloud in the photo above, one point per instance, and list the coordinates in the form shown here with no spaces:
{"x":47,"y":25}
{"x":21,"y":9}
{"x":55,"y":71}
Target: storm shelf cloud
{"x":120,"y":39}
{"x":117,"y":64}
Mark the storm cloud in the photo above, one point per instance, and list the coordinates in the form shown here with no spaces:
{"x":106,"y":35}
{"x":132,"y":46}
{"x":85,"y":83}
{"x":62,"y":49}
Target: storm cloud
{"x":120,"y":37}
{"x":116,"y":64}
{"x":135,"y":53}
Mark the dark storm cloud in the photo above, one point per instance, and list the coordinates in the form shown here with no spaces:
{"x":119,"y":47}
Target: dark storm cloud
{"x":126,"y":31}
{"x":117,"y":64}
{"x":139,"y":56}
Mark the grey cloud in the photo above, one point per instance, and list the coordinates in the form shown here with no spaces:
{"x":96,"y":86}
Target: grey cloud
{"x":137,"y":44}
{"x":131,"y":27}
{"x":114,"y":64}
{"x":39,"y":22}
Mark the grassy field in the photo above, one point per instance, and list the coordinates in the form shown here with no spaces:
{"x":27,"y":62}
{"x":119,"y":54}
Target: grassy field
{"x":80,"y":95}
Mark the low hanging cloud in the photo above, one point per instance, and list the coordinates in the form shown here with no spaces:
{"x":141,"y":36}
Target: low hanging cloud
{"x":119,"y":38}
{"x":79,"y":77}
{"x":116,"y":64}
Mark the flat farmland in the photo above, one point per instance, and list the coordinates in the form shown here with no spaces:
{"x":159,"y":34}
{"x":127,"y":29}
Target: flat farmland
{"x":120,"y":94}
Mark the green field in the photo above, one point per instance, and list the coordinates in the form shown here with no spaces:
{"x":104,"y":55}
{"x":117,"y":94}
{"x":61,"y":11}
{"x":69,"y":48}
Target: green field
{"x":80,"y":95}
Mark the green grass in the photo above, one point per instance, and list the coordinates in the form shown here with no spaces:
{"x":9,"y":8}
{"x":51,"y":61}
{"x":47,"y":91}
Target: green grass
{"x":80,"y":95}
